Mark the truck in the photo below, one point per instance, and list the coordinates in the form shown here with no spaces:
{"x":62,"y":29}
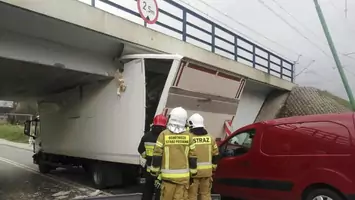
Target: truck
{"x":98,"y":126}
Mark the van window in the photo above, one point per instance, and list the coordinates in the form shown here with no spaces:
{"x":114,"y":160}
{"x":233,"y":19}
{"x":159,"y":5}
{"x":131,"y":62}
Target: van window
{"x":317,"y":137}
{"x":276,"y":140}
{"x":239,"y":144}
{"x":309,"y":138}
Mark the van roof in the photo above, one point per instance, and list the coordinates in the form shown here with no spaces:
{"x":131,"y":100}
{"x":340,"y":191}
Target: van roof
{"x":342,"y":117}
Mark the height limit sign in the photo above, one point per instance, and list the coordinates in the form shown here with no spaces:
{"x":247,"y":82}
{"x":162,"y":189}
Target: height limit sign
{"x":149,"y":10}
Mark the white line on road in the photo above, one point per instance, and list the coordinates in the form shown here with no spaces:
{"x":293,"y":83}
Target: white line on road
{"x":30,"y":169}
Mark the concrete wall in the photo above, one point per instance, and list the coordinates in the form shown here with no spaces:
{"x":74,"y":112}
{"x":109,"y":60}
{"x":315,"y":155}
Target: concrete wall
{"x":100,"y":21}
{"x":30,"y":49}
{"x":249,"y":106}
{"x":272,"y":106}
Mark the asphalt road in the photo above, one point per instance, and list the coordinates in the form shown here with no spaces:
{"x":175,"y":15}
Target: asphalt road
{"x":20,"y":179}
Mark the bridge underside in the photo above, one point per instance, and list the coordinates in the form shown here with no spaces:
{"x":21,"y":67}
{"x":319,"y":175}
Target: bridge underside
{"x":24,"y":80}
{"x":40,"y":55}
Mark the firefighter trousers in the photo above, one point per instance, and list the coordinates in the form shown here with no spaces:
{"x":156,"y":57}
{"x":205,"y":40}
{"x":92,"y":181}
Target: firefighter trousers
{"x":200,"y":189}
{"x":149,"y":188}
{"x":173,"y":191}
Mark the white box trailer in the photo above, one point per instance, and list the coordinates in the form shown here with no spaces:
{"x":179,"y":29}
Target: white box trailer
{"x":95,"y":127}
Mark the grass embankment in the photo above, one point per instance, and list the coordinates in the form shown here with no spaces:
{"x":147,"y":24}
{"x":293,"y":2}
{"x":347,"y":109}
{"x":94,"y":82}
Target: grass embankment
{"x":13,"y":133}
{"x":340,"y":100}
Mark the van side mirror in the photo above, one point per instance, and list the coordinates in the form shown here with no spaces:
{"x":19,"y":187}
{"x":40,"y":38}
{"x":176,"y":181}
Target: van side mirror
{"x":27,"y":128}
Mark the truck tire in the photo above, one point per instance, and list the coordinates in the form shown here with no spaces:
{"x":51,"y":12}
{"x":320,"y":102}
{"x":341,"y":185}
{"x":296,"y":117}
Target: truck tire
{"x":323,"y":194}
{"x":98,"y":176}
{"x":44,"y":168}
{"x":86,"y":168}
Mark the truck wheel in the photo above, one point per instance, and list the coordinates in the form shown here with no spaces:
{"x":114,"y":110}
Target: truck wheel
{"x":323,"y":194}
{"x":44,"y":168}
{"x":98,"y":176}
{"x":86,"y":168}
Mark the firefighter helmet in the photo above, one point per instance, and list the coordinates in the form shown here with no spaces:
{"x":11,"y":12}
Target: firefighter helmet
{"x":177,"y":120}
{"x":160,"y":120}
{"x":196,"y":121}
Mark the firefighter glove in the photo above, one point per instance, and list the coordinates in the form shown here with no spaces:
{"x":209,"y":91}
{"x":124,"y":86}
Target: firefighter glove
{"x":157,"y":182}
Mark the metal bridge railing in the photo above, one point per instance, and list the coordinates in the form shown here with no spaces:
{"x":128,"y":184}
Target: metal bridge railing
{"x":240,"y":49}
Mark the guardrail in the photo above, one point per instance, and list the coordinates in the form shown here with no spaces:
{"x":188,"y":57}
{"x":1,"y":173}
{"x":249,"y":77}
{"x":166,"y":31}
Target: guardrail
{"x":241,"y":49}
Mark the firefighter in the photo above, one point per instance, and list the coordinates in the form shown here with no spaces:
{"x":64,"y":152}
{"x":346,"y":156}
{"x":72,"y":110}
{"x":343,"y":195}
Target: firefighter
{"x":146,"y":148}
{"x":174,"y":157}
{"x":207,"y":155}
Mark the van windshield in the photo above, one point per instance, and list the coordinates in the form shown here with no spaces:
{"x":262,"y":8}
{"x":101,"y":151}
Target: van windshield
{"x":243,"y":139}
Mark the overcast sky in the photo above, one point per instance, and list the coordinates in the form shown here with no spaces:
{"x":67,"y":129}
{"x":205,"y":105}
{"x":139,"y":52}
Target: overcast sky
{"x":290,"y":28}
{"x":305,"y":37}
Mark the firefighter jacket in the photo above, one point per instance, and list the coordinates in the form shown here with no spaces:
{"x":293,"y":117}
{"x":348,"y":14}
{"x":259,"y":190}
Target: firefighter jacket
{"x":174,"y":157}
{"x":206,"y":151}
{"x":146,"y":146}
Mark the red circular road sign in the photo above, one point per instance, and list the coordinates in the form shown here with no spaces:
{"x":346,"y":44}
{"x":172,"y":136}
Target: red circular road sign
{"x":149,"y":10}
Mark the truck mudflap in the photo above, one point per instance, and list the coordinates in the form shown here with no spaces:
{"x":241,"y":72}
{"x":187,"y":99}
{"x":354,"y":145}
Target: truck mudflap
{"x":134,"y":196}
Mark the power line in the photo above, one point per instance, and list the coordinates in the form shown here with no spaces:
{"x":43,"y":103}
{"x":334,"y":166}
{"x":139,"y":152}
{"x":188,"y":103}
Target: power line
{"x":352,"y":73}
{"x":294,"y":18}
{"x":241,"y":24}
{"x":245,"y":26}
{"x":338,"y":9}
{"x":305,"y":27}
{"x":304,"y":69}
{"x":294,"y":28}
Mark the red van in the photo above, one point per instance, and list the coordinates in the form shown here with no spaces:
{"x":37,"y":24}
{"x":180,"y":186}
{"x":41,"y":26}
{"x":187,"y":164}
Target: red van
{"x":297,"y":158}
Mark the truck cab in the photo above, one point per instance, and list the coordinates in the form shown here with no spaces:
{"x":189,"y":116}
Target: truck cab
{"x":32,"y":129}
{"x":305,"y":157}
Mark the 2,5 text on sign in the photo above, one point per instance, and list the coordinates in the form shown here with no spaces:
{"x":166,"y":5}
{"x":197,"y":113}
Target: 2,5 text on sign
{"x":149,"y":10}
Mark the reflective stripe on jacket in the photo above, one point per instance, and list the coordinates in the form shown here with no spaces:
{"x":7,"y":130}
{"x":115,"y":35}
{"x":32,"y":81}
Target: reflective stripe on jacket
{"x":149,"y":148}
{"x":146,"y":147}
{"x":174,"y":157}
{"x":207,"y":154}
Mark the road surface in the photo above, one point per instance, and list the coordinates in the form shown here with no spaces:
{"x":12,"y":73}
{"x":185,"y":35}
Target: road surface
{"x":20,"y":179}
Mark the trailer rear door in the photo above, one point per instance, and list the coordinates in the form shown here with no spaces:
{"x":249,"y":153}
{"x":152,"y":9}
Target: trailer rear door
{"x":212,"y":93}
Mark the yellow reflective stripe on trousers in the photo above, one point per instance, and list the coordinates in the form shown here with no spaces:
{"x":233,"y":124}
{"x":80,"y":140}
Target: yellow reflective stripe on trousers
{"x":175,"y":173}
{"x":204,"y":165}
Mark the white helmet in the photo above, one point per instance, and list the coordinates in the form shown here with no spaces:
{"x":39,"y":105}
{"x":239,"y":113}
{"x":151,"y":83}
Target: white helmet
{"x":177,"y":120}
{"x":196,"y":121}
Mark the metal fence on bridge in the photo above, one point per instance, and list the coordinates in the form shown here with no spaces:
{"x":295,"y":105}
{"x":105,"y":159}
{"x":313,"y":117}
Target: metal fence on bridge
{"x":220,"y":38}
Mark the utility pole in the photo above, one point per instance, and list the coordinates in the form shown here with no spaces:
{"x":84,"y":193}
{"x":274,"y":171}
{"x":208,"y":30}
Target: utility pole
{"x":335,"y":55}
